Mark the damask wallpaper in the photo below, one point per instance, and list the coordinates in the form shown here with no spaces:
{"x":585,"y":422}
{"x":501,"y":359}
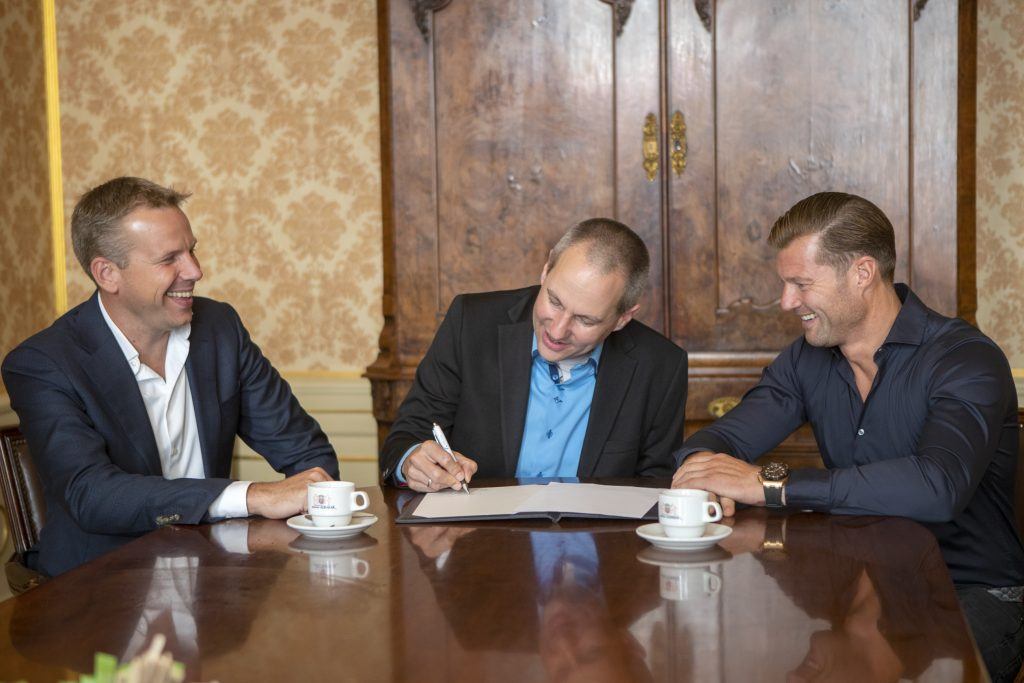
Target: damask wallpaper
{"x":1001,"y":175}
{"x":267,"y":111}
{"x":26,"y":276}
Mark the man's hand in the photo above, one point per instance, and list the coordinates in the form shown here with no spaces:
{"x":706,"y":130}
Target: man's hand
{"x":732,"y":479}
{"x":282,"y":499}
{"x":434,"y":541}
{"x":430,"y":468}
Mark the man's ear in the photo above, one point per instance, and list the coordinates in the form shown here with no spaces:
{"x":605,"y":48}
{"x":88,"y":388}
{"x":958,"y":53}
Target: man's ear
{"x":625,"y":318}
{"x":106,"y":273}
{"x":865,"y":271}
{"x":544,"y":272}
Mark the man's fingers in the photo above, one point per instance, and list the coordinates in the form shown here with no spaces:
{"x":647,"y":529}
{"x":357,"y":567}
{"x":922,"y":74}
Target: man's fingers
{"x":468,"y":466}
{"x":432,"y":476}
{"x":316,"y":474}
{"x":440,"y":457}
{"x":728,"y":506}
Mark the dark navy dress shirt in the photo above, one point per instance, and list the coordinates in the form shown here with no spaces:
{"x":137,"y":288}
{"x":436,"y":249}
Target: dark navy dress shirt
{"x":935,"y":441}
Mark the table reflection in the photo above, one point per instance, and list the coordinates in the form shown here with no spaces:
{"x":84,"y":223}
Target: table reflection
{"x":880,"y":584}
{"x":797,"y":596}
{"x":179,"y":591}
{"x":336,"y":562}
{"x":545,"y":591}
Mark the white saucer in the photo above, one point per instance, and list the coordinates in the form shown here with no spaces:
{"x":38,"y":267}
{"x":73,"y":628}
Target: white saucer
{"x":713,"y":533}
{"x":304,"y":525}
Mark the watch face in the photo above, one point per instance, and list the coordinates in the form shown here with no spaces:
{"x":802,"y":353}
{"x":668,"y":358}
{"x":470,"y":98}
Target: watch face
{"x":775,"y":471}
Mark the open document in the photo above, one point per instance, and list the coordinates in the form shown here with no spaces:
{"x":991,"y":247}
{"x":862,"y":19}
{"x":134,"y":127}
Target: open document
{"x":553,"y":501}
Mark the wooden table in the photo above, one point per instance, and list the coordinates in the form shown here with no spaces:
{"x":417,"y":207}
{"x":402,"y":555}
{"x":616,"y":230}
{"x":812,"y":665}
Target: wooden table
{"x":851,"y":598}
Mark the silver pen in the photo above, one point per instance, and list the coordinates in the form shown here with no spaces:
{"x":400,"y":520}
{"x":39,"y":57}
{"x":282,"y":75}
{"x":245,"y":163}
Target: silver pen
{"x":443,"y":443}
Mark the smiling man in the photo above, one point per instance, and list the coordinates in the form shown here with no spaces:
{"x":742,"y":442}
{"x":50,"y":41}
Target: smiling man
{"x":131,"y":401}
{"x":555,"y":380}
{"x":915,"y":414}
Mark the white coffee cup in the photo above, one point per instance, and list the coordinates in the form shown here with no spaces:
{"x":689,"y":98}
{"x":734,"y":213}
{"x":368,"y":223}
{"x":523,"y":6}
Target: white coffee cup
{"x":688,"y":583}
{"x":332,"y":568}
{"x":331,"y":503}
{"x":685,"y":513}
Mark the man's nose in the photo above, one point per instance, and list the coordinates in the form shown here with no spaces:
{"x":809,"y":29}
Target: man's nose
{"x":559,"y":327}
{"x":191,"y":270}
{"x":790,"y":301}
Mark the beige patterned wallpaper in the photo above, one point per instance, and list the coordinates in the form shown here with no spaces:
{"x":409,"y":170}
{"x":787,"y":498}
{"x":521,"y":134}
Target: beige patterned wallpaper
{"x":26,"y":276}
{"x":1001,"y":175}
{"x":267,"y":110}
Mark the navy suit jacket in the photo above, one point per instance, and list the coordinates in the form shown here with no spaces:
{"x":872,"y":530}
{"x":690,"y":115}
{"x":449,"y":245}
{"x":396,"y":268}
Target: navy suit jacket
{"x":474,"y":381}
{"x":90,"y":437}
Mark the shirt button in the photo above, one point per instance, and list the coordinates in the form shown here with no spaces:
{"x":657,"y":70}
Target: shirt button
{"x":860,"y":432}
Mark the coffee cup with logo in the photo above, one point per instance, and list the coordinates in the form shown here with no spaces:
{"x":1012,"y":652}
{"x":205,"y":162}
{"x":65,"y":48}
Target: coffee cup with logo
{"x":331,"y":503}
{"x":688,"y":583}
{"x":685,"y":513}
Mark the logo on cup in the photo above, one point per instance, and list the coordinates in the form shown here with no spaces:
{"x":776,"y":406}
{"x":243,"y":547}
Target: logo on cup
{"x":685,"y":513}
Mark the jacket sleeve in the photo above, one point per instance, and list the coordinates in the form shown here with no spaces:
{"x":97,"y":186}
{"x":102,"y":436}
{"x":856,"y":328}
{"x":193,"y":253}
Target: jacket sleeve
{"x":433,"y":397}
{"x":271,"y":421}
{"x":666,"y":432}
{"x":74,"y":463}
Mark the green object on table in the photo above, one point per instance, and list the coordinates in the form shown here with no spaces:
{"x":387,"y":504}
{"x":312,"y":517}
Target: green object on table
{"x":104,"y":668}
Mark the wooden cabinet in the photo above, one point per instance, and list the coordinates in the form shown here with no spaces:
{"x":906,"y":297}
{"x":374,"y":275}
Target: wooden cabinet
{"x":695,"y":122}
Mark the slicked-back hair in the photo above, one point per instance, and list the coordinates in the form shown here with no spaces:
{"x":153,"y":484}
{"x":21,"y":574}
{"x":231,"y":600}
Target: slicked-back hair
{"x":96,"y":228}
{"x":849,"y":226}
{"x":611,"y":246}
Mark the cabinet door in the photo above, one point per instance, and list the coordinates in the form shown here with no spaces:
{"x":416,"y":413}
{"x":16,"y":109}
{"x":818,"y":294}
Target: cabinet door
{"x":782,"y":99}
{"x":507,"y":123}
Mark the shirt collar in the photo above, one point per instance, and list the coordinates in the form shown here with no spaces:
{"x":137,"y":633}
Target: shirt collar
{"x":594,"y":357}
{"x":911,"y":321}
{"x":179,"y":336}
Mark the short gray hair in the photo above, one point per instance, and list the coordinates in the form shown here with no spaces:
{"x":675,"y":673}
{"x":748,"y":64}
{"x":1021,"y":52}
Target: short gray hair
{"x":611,"y":246}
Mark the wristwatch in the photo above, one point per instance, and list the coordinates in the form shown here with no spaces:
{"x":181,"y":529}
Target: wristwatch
{"x":773,"y":478}
{"x":773,"y":546}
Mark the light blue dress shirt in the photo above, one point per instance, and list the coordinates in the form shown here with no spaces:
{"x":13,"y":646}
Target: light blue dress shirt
{"x":557,"y":415}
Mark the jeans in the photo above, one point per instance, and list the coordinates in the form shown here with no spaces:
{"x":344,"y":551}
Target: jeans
{"x":998,"y":628}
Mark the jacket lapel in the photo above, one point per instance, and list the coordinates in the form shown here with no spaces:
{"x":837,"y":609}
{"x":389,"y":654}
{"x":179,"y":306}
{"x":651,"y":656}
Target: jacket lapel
{"x":514,"y":360}
{"x":109,"y":372}
{"x":614,"y":374}
{"x":201,"y":367}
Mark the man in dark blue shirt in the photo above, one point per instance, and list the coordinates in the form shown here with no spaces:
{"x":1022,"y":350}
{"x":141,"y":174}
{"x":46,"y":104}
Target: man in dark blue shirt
{"x":915,"y":414}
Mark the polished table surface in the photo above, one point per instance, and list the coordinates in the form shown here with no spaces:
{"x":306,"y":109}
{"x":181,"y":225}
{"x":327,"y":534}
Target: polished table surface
{"x":798,"y":596}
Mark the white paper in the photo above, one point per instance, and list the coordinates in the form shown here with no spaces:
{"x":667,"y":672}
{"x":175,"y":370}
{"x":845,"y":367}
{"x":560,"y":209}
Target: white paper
{"x":631,"y":502}
{"x":478,"y":502}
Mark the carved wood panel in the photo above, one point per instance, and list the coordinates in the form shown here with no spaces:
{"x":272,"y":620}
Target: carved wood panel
{"x":505,"y":122}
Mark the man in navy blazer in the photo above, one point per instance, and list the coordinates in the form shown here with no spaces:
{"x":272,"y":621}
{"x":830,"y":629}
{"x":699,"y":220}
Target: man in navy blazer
{"x":131,"y":401}
{"x":555,"y":380}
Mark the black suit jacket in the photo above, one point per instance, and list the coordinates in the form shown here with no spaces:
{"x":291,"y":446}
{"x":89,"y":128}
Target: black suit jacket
{"x":474,"y":381}
{"x":92,"y":443}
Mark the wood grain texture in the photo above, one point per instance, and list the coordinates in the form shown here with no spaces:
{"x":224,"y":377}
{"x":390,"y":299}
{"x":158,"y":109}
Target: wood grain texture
{"x":537,"y":114}
{"x":507,"y":601}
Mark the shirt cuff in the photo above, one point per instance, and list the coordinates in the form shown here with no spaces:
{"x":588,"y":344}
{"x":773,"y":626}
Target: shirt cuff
{"x":232,"y":536}
{"x":398,"y":470}
{"x":809,"y":488}
{"x":231,"y":501}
